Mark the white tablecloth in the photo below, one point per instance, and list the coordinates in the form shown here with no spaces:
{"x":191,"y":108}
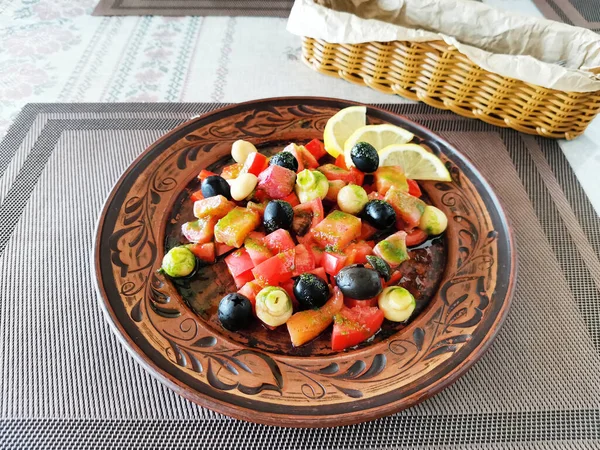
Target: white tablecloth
{"x":55,"y":51}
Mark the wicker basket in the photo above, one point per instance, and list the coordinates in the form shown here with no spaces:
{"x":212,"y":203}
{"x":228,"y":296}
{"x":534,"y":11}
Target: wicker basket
{"x":437,"y":74}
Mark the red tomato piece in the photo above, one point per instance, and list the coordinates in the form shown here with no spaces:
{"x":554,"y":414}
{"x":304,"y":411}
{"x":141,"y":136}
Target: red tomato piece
{"x":333,"y":172}
{"x":276,"y":181}
{"x":292,"y":199}
{"x":199,"y":231}
{"x":232,"y":171}
{"x":255,"y":163}
{"x":366,"y":231}
{"x":413,"y":188}
{"x":250,"y":290}
{"x":358,"y":176}
{"x":393,"y":249}
{"x":388,"y":176}
{"x":333,"y":262}
{"x":337,"y":230}
{"x":236,"y":225}
{"x":221,"y":249}
{"x":293,"y":149}
{"x":197,"y":195}
{"x":396,"y":276}
{"x":276,"y":269}
{"x":288,"y":286}
{"x":258,"y":207}
{"x":335,"y":186}
{"x":353,"y":326}
{"x":239,"y":262}
{"x":304,"y":326}
{"x":352,"y":302}
{"x":368,"y":188}
{"x":260,"y":197}
{"x":205,"y":174}
{"x":320,"y":272}
{"x":357,"y":252}
{"x":243,"y":278}
{"x":309,"y":161}
{"x":416,"y":237}
{"x":316,"y":148}
{"x":279,"y":241}
{"x":307,"y":215}
{"x":408,"y":208}
{"x":305,"y":260}
{"x":340,"y":161}
{"x":217,"y":207}
{"x":256,"y":248}
{"x":204,"y":252}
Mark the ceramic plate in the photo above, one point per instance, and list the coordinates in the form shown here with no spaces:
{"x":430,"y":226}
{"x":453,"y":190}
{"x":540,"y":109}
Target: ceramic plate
{"x":257,"y":375}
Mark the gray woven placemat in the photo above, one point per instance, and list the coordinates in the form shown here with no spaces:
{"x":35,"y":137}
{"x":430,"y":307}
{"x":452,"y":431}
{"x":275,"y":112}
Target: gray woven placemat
{"x":66,"y":382}
{"x":581,"y":13}
{"x":266,"y":8}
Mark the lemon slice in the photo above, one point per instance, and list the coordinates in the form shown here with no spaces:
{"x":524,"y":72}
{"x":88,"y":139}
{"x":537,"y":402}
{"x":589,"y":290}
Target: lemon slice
{"x":342,"y":125}
{"x":418,"y":163}
{"x":379,"y":136}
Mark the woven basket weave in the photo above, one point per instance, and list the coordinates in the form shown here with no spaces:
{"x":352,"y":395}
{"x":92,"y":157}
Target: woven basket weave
{"x":437,"y":74}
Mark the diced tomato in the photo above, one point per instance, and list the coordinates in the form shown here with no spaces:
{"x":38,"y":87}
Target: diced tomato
{"x":256,"y":249}
{"x":304,"y":326}
{"x":235,"y":226}
{"x":276,"y":181}
{"x":415,"y":237}
{"x":216,"y":207}
{"x":352,"y":302}
{"x":333,"y":172}
{"x":204,"y":252}
{"x":292,"y":199}
{"x":276,"y":269}
{"x":239,"y":262}
{"x":250,"y":290}
{"x":288,"y":286}
{"x":221,"y":249}
{"x":316,"y":148}
{"x":357,"y":175}
{"x":368,"y":188}
{"x":255,"y":163}
{"x":279,"y":241}
{"x":205,"y":174}
{"x":260,"y":197}
{"x":317,"y":253}
{"x":320,"y":272}
{"x":388,"y":176}
{"x":337,"y":230}
{"x":353,"y":326}
{"x":333,"y":262}
{"x":393,"y":249}
{"x":335,"y":186}
{"x":196,"y":195}
{"x":309,"y":161}
{"x":340,"y":161}
{"x":305,"y":260}
{"x":357,"y":253}
{"x":307,"y":215}
{"x":243,"y":278}
{"x":199,"y":231}
{"x":413,"y":188}
{"x":366,"y":231}
{"x":258,"y":207}
{"x":294,"y":150}
{"x":396,"y":276}
{"x":375,"y":196}
{"x":232,"y":171}
{"x":408,"y":208}
{"x":258,"y":235}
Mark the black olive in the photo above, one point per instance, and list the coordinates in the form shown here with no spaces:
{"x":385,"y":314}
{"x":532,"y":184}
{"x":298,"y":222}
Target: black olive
{"x":284,"y":159}
{"x":311,"y":291}
{"x":235,"y":311}
{"x":358,"y":282}
{"x":381,"y":266}
{"x":278,"y":214}
{"x":365,"y":157}
{"x":215,"y":185}
{"x":379,"y":214}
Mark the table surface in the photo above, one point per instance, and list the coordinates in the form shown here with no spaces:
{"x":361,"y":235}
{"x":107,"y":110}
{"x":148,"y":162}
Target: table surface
{"x":55,"y":51}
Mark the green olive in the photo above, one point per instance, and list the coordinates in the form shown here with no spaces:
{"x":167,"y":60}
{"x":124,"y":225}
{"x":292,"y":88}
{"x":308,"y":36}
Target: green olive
{"x":352,"y":199}
{"x":273,"y":306}
{"x":433,"y":221}
{"x":396,"y":303}
{"x":179,"y":262}
{"x":311,"y":184}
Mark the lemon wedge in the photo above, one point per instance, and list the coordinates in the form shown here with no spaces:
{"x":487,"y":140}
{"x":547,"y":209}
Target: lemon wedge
{"x":341,"y":126}
{"x":417,"y":162}
{"x":379,"y":136}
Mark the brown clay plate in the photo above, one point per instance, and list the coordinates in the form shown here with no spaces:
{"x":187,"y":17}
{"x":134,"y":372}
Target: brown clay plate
{"x":463,"y":283}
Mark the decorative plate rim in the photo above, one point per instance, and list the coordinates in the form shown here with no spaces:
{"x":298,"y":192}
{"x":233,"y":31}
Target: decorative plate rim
{"x":315,"y":420}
